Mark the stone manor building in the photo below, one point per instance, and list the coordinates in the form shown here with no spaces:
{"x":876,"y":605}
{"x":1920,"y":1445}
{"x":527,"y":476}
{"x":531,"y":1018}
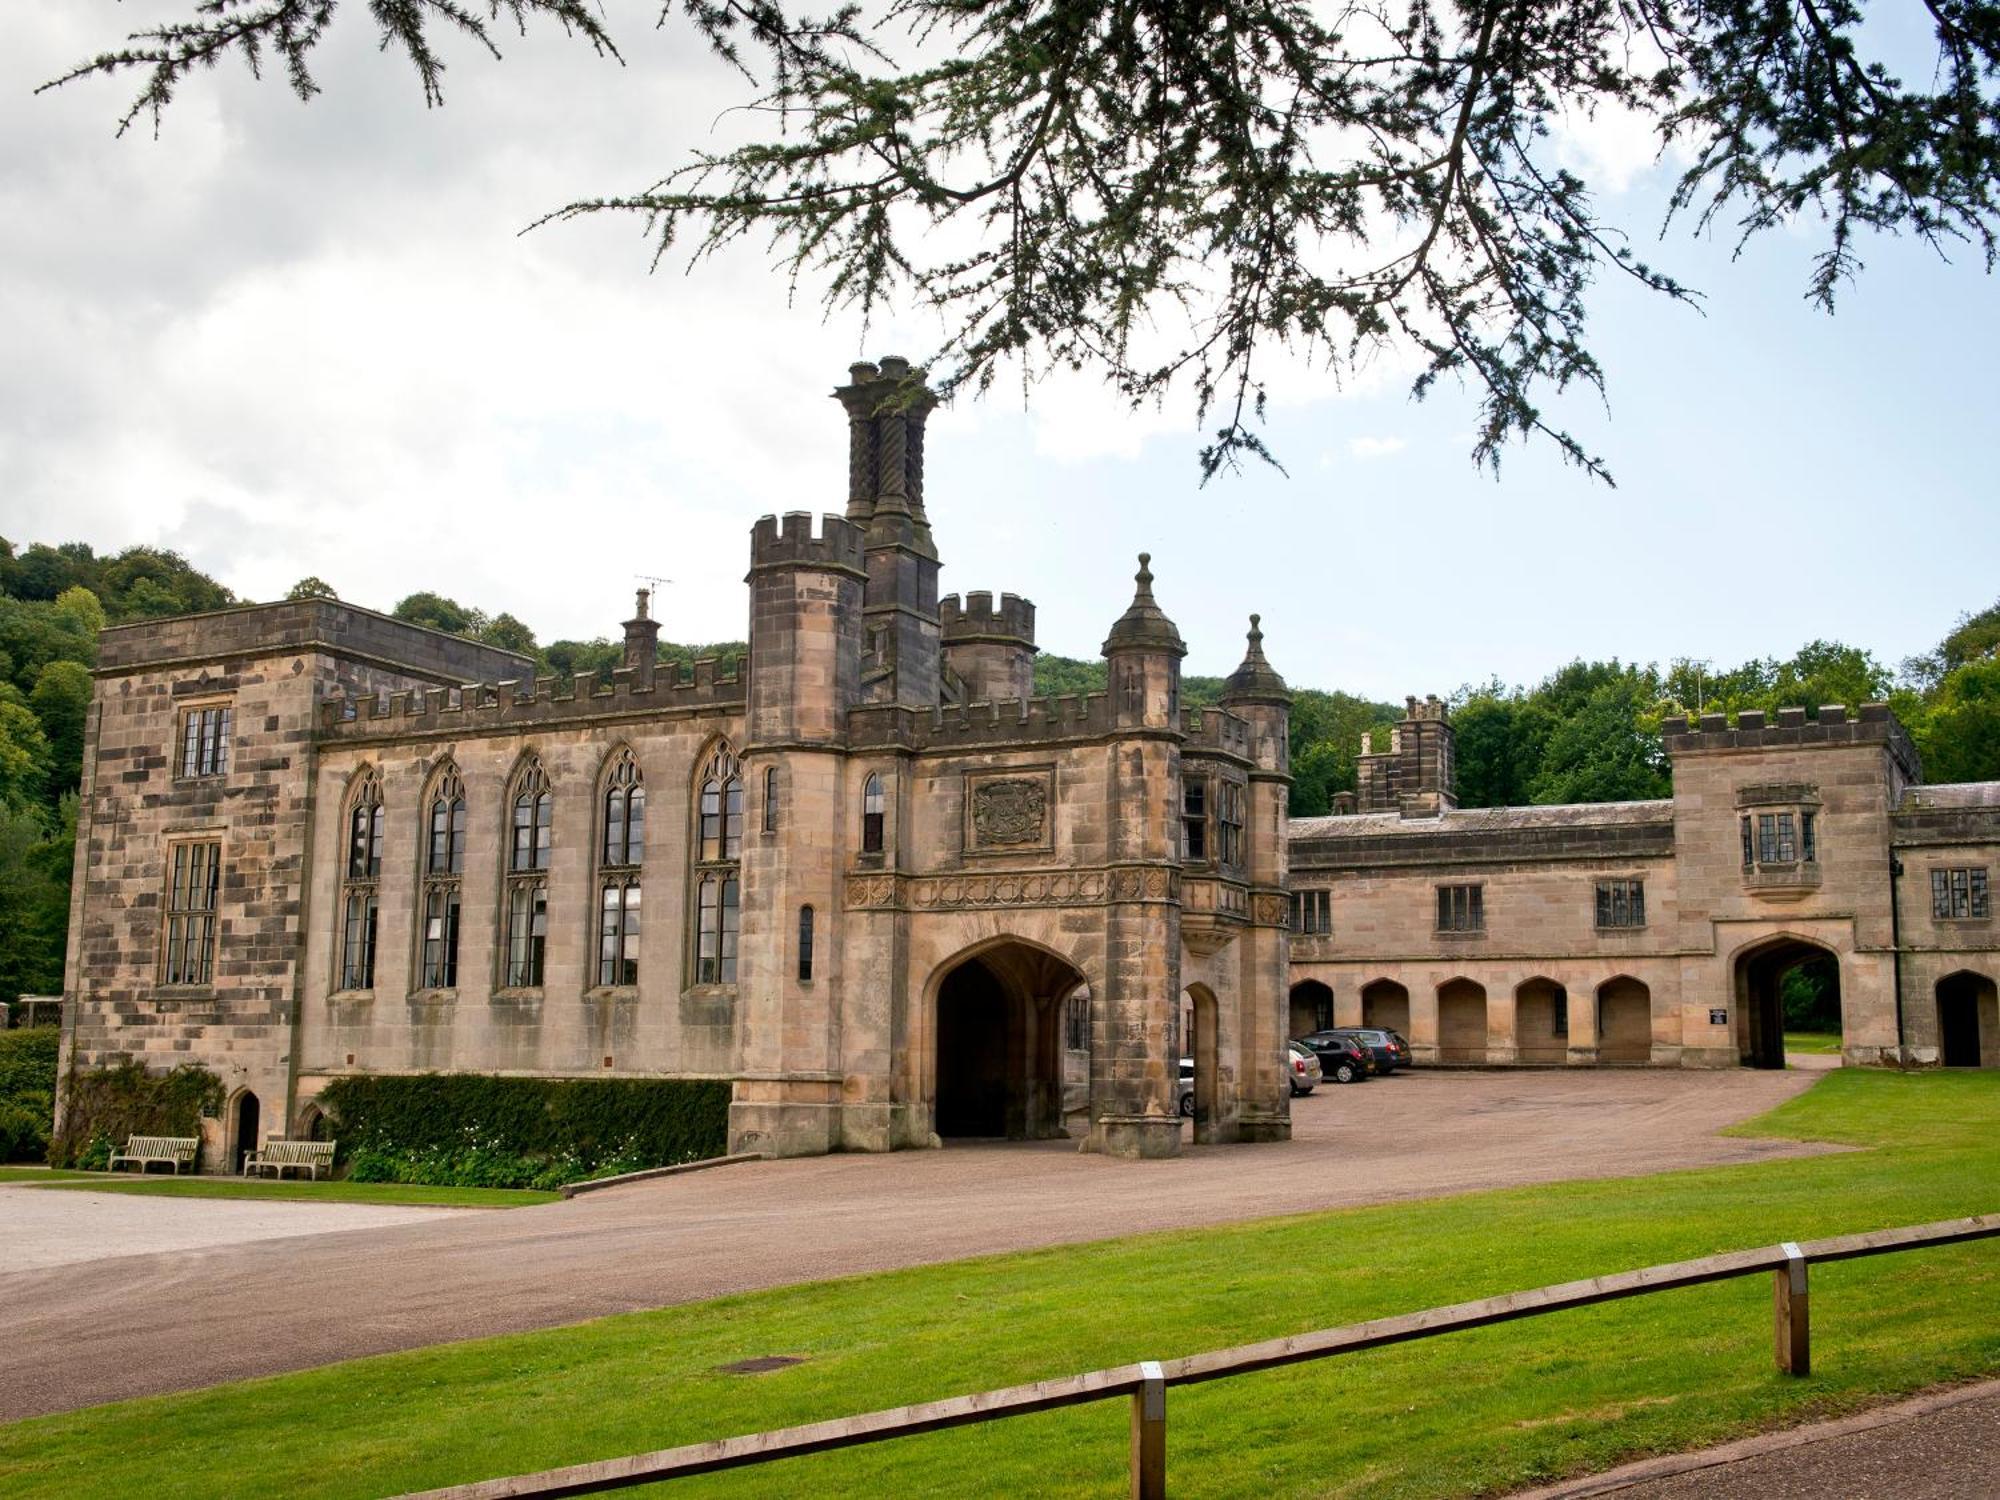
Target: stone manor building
{"x":1658,"y":932}
{"x":892,"y":898}
{"x":866,"y":877}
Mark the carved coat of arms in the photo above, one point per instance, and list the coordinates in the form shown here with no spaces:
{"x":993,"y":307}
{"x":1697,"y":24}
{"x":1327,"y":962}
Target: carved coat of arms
{"x":1010,"y":811}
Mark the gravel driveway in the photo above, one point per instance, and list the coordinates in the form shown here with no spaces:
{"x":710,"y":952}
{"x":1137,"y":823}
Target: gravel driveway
{"x":135,"y":1325}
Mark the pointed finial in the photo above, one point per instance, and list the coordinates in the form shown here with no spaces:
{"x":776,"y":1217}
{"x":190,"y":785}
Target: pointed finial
{"x":1256,"y":681}
{"x":1142,"y":624}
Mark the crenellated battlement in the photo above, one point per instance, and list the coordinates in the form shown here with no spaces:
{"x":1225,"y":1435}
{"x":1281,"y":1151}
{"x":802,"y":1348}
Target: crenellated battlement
{"x":1218,"y":730}
{"x":789,"y":542}
{"x":486,"y":706}
{"x":1835,"y":725}
{"x":976,"y":619}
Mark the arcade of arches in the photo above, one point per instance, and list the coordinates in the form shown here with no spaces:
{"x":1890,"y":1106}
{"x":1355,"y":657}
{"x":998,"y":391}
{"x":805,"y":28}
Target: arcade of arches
{"x":1611,"y":1024}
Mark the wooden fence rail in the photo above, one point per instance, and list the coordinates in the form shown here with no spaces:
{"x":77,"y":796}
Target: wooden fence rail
{"x":1145,"y":1384}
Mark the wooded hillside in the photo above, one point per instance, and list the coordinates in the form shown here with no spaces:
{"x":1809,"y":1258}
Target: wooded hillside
{"x":1589,"y":732}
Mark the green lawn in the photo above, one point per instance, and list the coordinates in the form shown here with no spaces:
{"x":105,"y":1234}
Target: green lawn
{"x":1467,"y":1414}
{"x":1822,"y":1043}
{"x":161,"y":1185}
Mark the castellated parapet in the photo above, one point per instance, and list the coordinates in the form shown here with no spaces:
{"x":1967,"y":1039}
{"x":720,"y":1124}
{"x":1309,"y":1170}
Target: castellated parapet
{"x":488,"y":706}
{"x":991,"y":652}
{"x":978,"y":620}
{"x":1789,"y":728}
{"x":790,"y":543}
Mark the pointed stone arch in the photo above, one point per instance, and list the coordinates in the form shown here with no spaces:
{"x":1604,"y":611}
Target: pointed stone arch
{"x":1311,"y":1007}
{"x":1385,"y":1003}
{"x":1624,"y":1020}
{"x":1968,"y":1017}
{"x":1461,"y":1006}
{"x":996,"y":1023}
{"x":1541,"y":1020}
{"x":1757,"y":971}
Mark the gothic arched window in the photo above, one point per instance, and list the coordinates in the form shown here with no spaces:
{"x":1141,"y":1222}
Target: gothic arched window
{"x":531,"y":842}
{"x":621,"y":853}
{"x":872,"y":805}
{"x":717,"y":879}
{"x":805,"y":943}
{"x":360,"y":902}
{"x":443,"y":879}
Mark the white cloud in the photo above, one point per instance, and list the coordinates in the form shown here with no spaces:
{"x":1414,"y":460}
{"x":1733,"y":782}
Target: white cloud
{"x":1375,"y":447}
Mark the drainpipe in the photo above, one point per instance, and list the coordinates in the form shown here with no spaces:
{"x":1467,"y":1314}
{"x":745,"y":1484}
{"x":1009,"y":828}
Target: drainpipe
{"x":1896,"y":951}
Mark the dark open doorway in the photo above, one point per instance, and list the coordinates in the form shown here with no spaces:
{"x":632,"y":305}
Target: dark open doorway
{"x":1786,"y":976}
{"x":1967,"y":1015}
{"x":246,"y":1129}
{"x":1000,"y":1044}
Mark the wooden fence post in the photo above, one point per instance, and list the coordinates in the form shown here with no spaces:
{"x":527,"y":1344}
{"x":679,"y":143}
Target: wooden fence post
{"x":1790,"y":1319}
{"x":1149,"y":1434}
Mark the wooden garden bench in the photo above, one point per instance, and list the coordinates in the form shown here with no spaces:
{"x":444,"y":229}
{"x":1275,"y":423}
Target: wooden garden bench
{"x":176,"y":1150}
{"x":307,"y":1156}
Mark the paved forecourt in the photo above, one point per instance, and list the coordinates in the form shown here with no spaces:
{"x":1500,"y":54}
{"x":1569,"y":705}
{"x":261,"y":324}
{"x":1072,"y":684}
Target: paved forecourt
{"x":174,"y":1319}
{"x":40,"y":1228}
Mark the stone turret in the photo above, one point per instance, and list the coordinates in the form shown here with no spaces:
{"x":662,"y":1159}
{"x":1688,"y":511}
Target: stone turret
{"x":1144,"y":651}
{"x":887,"y":406}
{"x":805,"y":628}
{"x":991,"y":651}
{"x":642,"y":642}
{"x":1256,"y":692}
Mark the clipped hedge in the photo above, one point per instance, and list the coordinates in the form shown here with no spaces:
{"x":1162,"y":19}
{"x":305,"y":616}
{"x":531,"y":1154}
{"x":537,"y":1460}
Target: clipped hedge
{"x":102,"y":1108}
{"x":27,"y":1091}
{"x":469,"y":1130}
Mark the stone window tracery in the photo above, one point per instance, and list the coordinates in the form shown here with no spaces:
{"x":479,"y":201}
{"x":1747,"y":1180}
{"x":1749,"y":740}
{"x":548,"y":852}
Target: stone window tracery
{"x":205,"y":735}
{"x":717,"y":877}
{"x":1621,"y":903}
{"x":531,"y":827}
{"x":1461,"y":908}
{"x":1194,"y":819}
{"x":193,"y":885}
{"x":443,"y":881}
{"x":621,"y":854}
{"x":873,"y":810}
{"x":361,"y":881}
{"x":1229,"y":824}
{"x":1960,"y":893}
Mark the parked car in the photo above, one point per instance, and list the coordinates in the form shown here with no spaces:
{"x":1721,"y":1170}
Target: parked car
{"x":1341,"y":1057}
{"x":1302,"y":1068}
{"x":1387,"y":1051}
{"x":1187,"y":1088}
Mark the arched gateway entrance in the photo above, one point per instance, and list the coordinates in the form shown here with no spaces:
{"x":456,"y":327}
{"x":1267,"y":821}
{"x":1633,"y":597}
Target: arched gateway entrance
{"x":999,"y":1031}
{"x":1761,"y":972}
{"x":1968,"y":1019}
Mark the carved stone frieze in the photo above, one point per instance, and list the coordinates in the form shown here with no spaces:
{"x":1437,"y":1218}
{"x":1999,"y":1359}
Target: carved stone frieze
{"x":1012,"y":888}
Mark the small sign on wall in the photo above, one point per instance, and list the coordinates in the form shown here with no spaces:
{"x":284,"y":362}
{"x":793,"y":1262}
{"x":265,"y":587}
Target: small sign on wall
{"x":1718,"y":1018}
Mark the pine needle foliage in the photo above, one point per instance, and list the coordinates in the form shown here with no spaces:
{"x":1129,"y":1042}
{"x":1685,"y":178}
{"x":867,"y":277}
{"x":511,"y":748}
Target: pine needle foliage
{"x":1174,"y":194}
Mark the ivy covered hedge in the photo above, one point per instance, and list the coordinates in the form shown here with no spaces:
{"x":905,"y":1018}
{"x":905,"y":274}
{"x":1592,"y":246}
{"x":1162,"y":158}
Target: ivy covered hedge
{"x":469,"y":1130}
{"x":102,"y":1108}
{"x":27,"y":1091}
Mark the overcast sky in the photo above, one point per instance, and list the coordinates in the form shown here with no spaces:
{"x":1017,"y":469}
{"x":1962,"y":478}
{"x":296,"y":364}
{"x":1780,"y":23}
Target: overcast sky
{"x":289,"y":339}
